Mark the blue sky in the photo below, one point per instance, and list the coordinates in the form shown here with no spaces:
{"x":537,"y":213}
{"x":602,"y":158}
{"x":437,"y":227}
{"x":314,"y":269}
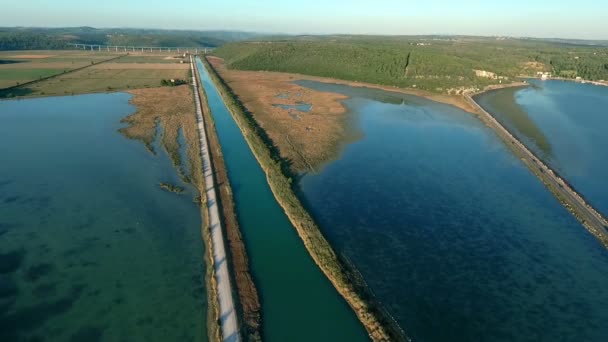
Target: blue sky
{"x":538,"y":18}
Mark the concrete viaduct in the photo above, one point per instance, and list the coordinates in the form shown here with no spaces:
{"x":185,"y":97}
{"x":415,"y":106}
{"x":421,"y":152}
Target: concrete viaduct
{"x":159,"y":49}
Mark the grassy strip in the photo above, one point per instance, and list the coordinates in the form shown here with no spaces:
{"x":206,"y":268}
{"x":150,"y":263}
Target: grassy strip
{"x":378,"y":324}
{"x":248,"y":302}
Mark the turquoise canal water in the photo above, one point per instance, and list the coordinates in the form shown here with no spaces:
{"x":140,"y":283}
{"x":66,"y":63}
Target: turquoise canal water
{"x":566,"y":124}
{"x":298,"y":302}
{"x":91,"y":249}
{"x":453,"y":234}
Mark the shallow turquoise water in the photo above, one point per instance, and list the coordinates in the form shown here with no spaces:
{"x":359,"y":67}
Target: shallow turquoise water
{"x":453,"y":234}
{"x":573,"y":118}
{"x":298,"y":302}
{"x":91,"y":249}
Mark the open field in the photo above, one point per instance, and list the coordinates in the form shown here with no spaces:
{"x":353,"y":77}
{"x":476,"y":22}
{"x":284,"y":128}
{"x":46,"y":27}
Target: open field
{"x":118,"y":74}
{"x":17,"y":67}
{"x":138,"y":66}
{"x":99,"y":80}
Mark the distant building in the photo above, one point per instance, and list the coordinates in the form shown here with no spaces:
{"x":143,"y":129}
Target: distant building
{"x":485,"y":74}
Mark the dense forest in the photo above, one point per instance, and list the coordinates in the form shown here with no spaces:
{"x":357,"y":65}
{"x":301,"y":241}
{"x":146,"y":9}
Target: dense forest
{"x":59,"y":38}
{"x":440,"y":64}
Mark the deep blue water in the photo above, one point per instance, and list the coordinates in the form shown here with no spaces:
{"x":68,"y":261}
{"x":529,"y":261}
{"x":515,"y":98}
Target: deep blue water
{"x":91,"y":249}
{"x":454,"y":235}
{"x":573,"y":118}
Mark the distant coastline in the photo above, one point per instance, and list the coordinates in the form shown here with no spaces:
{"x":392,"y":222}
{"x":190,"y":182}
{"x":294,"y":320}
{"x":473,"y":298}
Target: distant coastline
{"x":601,"y":83}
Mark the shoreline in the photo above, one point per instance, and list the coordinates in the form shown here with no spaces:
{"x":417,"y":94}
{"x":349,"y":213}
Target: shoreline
{"x":564,"y":79}
{"x":172,"y":108}
{"x":564,"y":192}
{"x":458,"y":101}
{"x":378,"y":326}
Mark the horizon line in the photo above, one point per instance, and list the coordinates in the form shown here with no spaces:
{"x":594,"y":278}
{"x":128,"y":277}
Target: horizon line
{"x":303,"y":33}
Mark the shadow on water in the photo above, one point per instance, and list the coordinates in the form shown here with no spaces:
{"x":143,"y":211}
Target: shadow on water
{"x":502,"y":104}
{"x":11,"y":261}
{"x":360,"y":92}
{"x":10,"y":61}
{"x":14,"y":92}
{"x":14,"y":324}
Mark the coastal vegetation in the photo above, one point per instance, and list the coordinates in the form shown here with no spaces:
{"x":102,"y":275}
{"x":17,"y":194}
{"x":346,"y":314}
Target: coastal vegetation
{"x":305,"y":139}
{"x":437,"y":64}
{"x":378,"y":324}
{"x":163,"y":114}
{"x":172,"y":82}
{"x":176,"y":189}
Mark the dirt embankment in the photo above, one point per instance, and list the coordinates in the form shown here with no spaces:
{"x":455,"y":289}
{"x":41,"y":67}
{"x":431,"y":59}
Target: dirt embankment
{"x":248,"y":299}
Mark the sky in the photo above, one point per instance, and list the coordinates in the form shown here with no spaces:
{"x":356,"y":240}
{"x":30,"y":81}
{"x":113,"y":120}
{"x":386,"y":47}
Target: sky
{"x":584,"y":19}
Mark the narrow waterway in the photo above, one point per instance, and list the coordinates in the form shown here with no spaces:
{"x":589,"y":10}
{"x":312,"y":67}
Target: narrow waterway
{"x":91,"y":249}
{"x":456,"y":237}
{"x":298,"y":302}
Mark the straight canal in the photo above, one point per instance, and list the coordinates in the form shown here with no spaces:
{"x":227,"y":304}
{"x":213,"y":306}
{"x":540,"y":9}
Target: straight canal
{"x":298,"y":302}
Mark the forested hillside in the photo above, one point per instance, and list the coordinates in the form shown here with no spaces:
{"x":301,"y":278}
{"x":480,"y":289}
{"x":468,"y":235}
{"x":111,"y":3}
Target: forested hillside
{"x":440,"y":64}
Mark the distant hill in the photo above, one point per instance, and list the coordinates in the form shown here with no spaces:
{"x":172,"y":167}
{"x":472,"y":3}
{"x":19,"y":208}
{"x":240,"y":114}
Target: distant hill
{"x":444,"y":64}
{"x":24,"y":38}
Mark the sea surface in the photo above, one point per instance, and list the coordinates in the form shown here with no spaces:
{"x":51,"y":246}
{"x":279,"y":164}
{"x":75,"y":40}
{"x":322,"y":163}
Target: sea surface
{"x":566,"y":123}
{"x":91,"y":249}
{"x":298,"y":301}
{"x":454,"y":235}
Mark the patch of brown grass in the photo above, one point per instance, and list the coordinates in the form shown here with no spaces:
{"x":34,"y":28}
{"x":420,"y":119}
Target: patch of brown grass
{"x":309,"y":139}
{"x":173,"y":109}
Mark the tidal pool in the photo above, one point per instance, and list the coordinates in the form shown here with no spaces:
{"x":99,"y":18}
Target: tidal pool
{"x":565,"y":123}
{"x":456,"y":238}
{"x":300,"y":107}
{"x":91,"y":249}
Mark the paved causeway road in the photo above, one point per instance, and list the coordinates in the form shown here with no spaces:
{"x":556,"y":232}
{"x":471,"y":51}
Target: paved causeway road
{"x":228,"y":320}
